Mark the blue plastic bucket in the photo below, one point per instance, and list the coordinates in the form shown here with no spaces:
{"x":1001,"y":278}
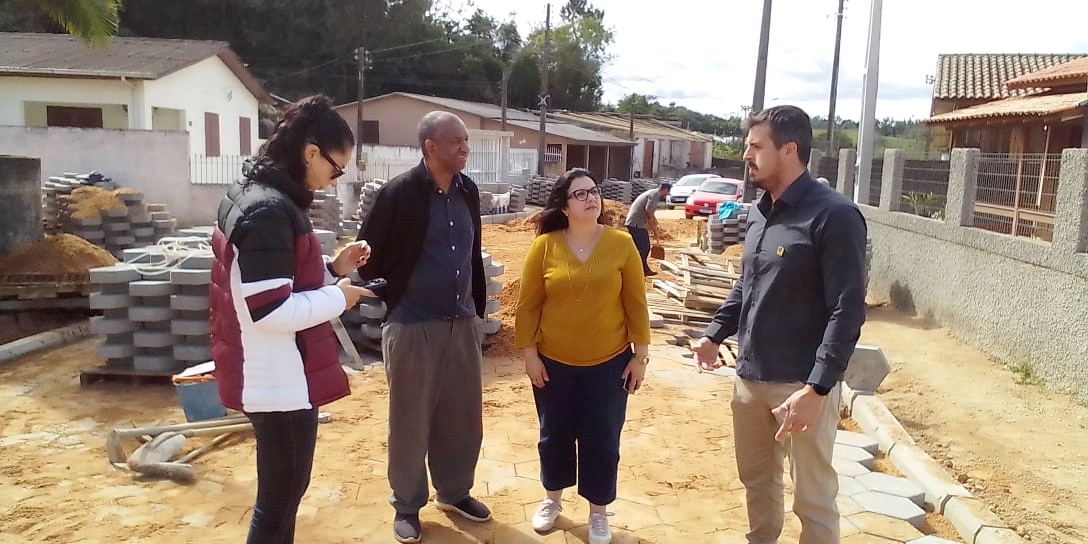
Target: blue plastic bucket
{"x":200,"y":400}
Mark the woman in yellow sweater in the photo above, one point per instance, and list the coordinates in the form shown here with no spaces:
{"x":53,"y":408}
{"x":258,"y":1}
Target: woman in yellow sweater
{"x":584,"y":329}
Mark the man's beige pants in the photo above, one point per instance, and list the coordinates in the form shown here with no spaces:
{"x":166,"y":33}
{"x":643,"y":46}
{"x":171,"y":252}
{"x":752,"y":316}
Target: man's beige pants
{"x":760,"y":457}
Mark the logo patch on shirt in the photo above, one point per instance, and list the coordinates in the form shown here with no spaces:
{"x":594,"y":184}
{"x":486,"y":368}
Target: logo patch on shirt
{"x":780,"y":251}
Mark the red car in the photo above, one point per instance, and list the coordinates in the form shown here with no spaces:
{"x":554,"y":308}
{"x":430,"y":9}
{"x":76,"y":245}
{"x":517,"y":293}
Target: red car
{"x":714,"y":191}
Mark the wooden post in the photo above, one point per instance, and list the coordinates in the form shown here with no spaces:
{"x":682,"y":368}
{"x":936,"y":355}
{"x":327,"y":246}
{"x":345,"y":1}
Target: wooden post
{"x":607,"y":160}
{"x":1042,"y":168}
{"x":1016,"y":195}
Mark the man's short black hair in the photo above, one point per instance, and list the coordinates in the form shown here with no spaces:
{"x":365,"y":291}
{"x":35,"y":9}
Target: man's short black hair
{"x":788,"y":124}
{"x":664,"y":187}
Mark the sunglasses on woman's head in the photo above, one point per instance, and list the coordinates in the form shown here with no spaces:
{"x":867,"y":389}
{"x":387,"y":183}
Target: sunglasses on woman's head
{"x":584,"y":194}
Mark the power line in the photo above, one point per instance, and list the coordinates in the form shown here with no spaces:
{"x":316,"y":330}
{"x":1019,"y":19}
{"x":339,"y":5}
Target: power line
{"x":407,"y":45}
{"x":305,"y":70}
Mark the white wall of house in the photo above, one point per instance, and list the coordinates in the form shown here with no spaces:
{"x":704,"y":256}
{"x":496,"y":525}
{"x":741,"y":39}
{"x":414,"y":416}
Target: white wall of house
{"x":23,"y":99}
{"x":177,"y":101}
{"x":153,"y":162}
{"x":208,"y":86}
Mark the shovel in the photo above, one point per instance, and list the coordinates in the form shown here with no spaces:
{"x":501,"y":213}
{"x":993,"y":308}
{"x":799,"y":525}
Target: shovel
{"x":117,"y":453}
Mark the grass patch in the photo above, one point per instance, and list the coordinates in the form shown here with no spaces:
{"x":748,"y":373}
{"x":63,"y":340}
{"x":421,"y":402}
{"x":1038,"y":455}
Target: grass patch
{"x":1024,"y":374}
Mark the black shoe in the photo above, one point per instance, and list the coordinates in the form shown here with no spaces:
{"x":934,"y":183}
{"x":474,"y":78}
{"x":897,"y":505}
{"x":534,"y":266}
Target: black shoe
{"x":651,"y":273}
{"x":470,"y":508}
{"x":406,"y":527}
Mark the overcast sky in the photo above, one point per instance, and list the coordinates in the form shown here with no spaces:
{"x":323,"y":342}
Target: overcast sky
{"x":702,"y":53}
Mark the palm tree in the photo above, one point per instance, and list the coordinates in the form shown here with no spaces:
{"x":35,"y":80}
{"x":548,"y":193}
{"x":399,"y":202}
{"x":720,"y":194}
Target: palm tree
{"x":94,"y":21}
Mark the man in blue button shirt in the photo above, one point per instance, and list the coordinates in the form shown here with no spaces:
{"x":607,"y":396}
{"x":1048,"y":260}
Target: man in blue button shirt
{"x":797,"y":312}
{"x":425,"y":228}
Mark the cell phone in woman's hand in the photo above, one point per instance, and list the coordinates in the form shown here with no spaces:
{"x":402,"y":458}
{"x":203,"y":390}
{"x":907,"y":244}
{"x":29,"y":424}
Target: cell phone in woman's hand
{"x":376,"y":286}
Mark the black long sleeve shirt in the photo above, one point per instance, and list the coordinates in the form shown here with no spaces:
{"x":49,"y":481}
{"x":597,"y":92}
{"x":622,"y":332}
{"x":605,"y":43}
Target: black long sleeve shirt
{"x":800,"y":303}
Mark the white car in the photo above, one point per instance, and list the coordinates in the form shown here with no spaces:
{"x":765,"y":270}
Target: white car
{"x":684,"y":187}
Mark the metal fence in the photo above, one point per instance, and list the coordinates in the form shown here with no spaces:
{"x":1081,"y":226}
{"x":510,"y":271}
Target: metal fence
{"x":522,"y":165}
{"x":1017,"y":193}
{"x":876,"y":177}
{"x":221,"y":170}
{"x":925,"y":184}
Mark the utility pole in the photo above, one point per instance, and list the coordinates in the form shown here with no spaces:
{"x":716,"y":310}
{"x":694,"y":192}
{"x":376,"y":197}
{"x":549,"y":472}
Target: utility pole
{"x":761,"y":83}
{"x":505,"y":91}
{"x":834,"y":81}
{"x":361,"y":58}
{"x":631,"y":136}
{"x":868,"y":106}
{"x":545,"y":62}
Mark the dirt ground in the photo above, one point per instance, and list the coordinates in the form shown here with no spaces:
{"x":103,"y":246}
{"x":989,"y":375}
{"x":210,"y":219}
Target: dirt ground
{"x":678,"y":482}
{"x":1019,"y":447}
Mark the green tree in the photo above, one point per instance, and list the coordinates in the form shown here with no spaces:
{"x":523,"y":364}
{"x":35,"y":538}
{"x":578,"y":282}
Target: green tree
{"x":578,"y":50}
{"x":92,"y":20}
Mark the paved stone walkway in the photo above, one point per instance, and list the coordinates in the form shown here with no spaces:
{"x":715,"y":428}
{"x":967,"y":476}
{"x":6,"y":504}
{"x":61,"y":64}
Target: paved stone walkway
{"x":665,"y":497}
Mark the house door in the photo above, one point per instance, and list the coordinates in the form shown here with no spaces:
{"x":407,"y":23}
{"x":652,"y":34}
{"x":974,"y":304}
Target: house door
{"x":211,"y":134}
{"x":648,"y":159}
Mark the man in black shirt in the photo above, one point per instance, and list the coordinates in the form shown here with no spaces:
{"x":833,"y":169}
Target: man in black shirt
{"x":797,"y":311}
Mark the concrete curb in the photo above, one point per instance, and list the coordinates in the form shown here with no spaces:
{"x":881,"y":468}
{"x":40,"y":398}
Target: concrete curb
{"x":48,"y":339}
{"x":973,"y":520}
{"x":503,"y":218}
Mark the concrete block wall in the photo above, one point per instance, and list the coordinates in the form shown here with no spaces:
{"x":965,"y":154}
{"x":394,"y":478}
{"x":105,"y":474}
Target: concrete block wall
{"x":1022,"y":301}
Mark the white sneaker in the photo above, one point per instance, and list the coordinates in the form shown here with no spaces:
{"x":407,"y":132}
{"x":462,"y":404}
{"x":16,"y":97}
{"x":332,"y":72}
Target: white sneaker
{"x":599,"y":533}
{"x":546,"y":514}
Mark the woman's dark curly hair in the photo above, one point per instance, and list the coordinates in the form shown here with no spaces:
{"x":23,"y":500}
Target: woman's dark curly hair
{"x":552,"y":217}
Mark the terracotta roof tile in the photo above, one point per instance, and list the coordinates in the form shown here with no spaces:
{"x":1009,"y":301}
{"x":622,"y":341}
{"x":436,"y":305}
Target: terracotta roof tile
{"x":983,"y":76}
{"x":1073,"y":72}
{"x":1017,"y":106}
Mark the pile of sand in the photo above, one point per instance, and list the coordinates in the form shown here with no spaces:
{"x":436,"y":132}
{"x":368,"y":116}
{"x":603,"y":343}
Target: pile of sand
{"x":508,"y":303}
{"x":614,"y":214}
{"x":734,"y":250}
{"x":90,"y":202}
{"x":60,"y":254}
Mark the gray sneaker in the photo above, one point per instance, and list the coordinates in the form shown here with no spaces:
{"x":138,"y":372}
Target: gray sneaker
{"x":406,"y":528}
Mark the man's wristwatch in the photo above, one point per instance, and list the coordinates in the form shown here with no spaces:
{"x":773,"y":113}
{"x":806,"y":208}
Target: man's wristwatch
{"x":819,"y":389}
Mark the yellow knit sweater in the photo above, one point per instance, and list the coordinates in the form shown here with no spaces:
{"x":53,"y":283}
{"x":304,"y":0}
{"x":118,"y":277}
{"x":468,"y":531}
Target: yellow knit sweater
{"x":582,"y":314}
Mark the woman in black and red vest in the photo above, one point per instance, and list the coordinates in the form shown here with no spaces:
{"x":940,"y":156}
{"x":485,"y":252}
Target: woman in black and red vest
{"x":272,"y":296}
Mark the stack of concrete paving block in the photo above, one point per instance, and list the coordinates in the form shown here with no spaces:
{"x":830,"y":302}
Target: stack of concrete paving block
{"x":349,"y":228}
{"x":367,"y":196}
{"x":364,"y":322}
{"x":161,"y":220}
{"x":112,"y":298}
{"x":539,"y":189}
{"x":151,"y":316}
{"x":325,"y":211}
{"x":518,"y":198}
{"x":189,"y":302}
{"x":723,"y":234}
{"x":328,"y":241}
{"x":89,"y":229}
{"x":641,"y":185}
{"x":154,"y":320}
{"x":491,"y":326}
{"x":619,"y":191}
{"x":135,"y":225}
{"x":55,"y":192}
